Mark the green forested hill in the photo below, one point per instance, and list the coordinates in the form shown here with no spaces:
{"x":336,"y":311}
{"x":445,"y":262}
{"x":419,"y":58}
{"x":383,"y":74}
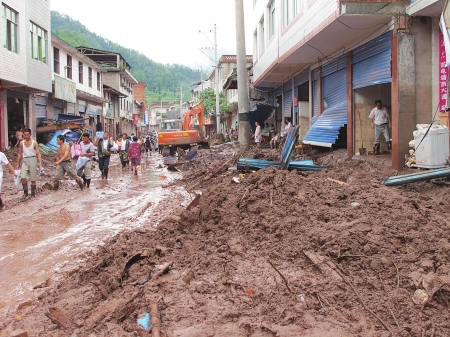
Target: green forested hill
{"x":163,"y":81}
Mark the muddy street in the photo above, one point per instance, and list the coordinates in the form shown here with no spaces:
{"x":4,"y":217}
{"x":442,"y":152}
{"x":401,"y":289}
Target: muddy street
{"x":278,"y":253}
{"x":57,"y":231}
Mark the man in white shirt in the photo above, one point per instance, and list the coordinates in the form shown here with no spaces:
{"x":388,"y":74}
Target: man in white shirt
{"x":87,"y":150}
{"x":381,"y":122}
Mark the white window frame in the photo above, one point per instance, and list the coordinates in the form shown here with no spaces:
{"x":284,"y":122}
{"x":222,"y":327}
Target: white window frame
{"x":262,"y":44}
{"x":271,"y":23}
{"x":255,"y":45}
{"x":38,"y":43}
{"x":9,"y":27}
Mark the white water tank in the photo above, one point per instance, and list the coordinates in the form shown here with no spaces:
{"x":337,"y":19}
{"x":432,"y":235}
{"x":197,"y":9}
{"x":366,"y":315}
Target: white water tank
{"x":432,"y":150}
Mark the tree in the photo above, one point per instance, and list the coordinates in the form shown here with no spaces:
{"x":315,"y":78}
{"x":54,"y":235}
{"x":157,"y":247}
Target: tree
{"x":208,"y":97}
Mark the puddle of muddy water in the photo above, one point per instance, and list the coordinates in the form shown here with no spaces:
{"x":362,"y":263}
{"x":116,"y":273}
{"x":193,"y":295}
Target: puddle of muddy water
{"x":57,"y":231}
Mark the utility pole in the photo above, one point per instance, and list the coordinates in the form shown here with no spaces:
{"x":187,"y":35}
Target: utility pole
{"x":216,"y":75}
{"x":181,"y":102}
{"x":241,"y":55}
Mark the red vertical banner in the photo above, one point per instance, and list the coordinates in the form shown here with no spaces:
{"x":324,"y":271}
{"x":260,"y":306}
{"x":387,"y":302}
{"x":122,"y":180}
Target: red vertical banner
{"x":443,"y":75}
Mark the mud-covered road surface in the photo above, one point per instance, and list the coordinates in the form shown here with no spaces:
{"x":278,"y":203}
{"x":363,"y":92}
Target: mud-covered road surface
{"x":57,"y":231}
{"x":277,"y":253}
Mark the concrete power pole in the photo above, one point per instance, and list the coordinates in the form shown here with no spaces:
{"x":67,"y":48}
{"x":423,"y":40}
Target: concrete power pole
{"x":216,"y":75}
{"x":244,"y":127}
{"x":181,"y":102}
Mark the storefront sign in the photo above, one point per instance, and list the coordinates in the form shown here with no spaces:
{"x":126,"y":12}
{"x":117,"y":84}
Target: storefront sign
{"x":443,"y":75}
{"x":93,"y":110}
{"x":65,"y":89}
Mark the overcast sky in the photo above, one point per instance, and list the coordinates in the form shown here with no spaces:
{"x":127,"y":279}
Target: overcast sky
{"x":166,"y":31}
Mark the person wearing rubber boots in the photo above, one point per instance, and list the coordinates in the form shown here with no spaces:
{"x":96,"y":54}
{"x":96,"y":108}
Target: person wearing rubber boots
{"x":31,"y":156}
{"x":104,"y":146}
{"x":87,"y":150}
{"x":381,"y":122}
{"x":64,"y":164}
{"x":123,"y":149}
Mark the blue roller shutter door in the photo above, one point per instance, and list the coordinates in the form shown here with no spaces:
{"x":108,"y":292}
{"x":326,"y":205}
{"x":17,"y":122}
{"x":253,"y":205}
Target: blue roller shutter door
{"x":372,"y":62}
{"x":325,"y":130}
{"x":315,"y":88}
{"x":287,"y":104}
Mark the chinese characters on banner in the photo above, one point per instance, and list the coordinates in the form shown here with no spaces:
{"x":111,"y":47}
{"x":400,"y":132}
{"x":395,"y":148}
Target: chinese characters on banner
{"x":443,"y":75}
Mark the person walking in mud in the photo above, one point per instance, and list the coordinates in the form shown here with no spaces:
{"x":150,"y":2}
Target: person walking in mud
{"x":134,"y":153}
{"x":104,"y":153}
{"x":258,"y":135}
{"x":148,"y":146}
{"x":123,"y":150}
{"x":30,"y":155}
{"x":4,"y":162}
{"x":87,"y":150}
{"x":381,"y":122}
{"x":64,"y":165}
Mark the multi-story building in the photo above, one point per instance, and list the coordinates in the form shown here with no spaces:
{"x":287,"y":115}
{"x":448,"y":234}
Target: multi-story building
{"x":227,"y":67}
{"x":25,"y":61}
{"x":118,"y":77}
{"x":77,"y":88}
{"x":324,"y":63}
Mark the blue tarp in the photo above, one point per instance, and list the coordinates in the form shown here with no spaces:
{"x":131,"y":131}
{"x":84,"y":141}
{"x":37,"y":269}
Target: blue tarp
{"x":68,"y":134}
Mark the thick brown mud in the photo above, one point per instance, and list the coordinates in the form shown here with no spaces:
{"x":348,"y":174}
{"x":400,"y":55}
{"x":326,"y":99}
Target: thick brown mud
{"x":57,"y":231}
{"x":278,"y":254}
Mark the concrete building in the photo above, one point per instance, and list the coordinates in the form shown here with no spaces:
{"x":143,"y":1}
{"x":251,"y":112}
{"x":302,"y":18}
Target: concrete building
{"x":25,"y":61}
{"x":324,"y":63}
{"x":118,"y":77}
{"x":77,"y":89}
{"x":228,"y":84}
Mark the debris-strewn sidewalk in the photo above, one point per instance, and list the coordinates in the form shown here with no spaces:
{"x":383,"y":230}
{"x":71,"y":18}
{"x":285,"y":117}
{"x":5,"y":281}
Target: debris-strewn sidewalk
{"x":282,"y":253}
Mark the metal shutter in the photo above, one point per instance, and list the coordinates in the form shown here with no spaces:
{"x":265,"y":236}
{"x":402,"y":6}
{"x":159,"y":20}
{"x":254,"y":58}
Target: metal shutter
{"x":287,"y":103}
{"x":325,"y":130}
{"x":372,"y":62}
{"x":315,"y":87}
{"x":301,"y":77}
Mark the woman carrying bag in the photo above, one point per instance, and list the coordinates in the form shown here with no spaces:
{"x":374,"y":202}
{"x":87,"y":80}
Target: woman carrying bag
{"x":104,"y":146}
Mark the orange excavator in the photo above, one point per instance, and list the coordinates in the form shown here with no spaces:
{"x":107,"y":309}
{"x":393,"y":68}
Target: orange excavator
{"x":177,"y":133}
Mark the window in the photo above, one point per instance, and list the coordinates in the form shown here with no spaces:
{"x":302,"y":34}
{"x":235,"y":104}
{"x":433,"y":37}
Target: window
{"x":255,"y":45}
{"x":69,"y":67}
{"x":290,"y":9}
{"x":80,"y":72}
{"x":9,"y":27}
{"x":90,"y":76}
{"x":271,"y":19}
{"x":38,"y":38}
{"x":262,"y":44}
{"x":56,"y":60}
{"x":98,"y":81}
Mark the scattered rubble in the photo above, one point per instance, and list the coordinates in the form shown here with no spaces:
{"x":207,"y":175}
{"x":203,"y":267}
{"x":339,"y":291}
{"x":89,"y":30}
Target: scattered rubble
{"x":282,"y":253}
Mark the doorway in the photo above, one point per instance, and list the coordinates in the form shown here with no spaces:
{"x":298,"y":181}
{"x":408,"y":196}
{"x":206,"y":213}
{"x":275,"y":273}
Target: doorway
{"x":17,"y":114}
{"x":364,"y":102}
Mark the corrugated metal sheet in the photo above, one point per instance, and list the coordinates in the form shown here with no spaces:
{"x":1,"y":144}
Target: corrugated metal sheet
{"x":372,"y":62}
{"x":301,"y":77}
{"x":315,"y":87}
{"x":315,"y":74}
{"x":334,"y":65}
{"x":41,"y":111}
{"x":279,"y":91}
{"x":325,"y":130}
{"x":287,"y":103}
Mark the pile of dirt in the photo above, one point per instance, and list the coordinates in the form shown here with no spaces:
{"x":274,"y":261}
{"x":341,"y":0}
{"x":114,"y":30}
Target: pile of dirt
{"x":280,"y":253}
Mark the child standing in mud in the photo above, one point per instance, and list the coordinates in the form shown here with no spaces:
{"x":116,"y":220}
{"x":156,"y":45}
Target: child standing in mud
{"x":4,"y":162}
{"x":134,"y":154}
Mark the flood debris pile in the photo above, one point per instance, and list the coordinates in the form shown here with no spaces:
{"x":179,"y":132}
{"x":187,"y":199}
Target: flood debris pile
{"x":282,"y":253}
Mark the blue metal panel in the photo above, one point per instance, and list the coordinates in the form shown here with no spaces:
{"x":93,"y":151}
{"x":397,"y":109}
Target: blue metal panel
{"x":301,"y":77}
{"x":315,"y":74}
{"x":315,"y":85}
{"x":325,"y":130}
{"x":372,"y":62}
{"x":279,"y":91}
{"x":287,"y":103}
{"x":334,"y":65}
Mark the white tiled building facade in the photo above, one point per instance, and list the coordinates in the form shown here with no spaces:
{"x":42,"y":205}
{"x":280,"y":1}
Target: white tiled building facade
{"x":25,"y":61}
